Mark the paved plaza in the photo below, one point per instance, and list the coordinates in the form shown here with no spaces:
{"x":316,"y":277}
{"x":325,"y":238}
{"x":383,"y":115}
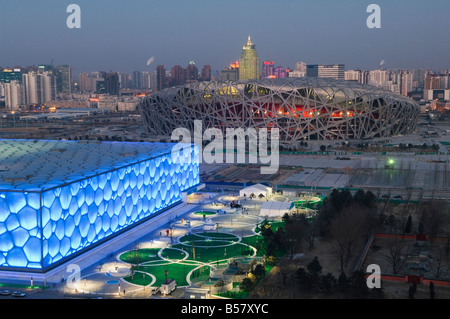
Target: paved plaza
{"x":105,"y":277}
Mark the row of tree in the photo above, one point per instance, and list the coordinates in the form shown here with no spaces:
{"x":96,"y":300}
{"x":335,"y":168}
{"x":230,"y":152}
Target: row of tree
{"x":311,"y":279}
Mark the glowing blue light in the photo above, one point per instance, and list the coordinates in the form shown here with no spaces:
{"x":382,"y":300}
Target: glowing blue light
{"x":40,"y":228}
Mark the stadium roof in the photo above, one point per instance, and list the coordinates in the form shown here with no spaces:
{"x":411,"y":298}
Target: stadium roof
{"x":35,"y":165}
{"x":301,"y":108}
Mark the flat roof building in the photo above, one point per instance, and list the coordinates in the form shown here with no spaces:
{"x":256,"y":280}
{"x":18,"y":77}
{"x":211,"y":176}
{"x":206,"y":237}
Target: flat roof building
{"x":61,"y":198}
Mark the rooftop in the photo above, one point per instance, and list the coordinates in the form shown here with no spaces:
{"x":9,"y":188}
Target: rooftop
{"x":35,"y":165}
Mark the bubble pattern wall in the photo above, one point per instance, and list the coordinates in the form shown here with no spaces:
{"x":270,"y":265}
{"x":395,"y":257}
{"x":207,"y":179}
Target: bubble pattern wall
{"x":38,"y":229}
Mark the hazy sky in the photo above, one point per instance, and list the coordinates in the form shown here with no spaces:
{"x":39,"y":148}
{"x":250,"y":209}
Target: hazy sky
{"x":119,"y":35}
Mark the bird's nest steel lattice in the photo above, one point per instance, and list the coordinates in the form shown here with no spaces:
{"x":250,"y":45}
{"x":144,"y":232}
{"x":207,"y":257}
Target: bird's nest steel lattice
{"x":302,"y":108}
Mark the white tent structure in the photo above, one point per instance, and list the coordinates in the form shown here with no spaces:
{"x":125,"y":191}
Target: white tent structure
{"x":276,"y":209}
{"x":256,"y":189}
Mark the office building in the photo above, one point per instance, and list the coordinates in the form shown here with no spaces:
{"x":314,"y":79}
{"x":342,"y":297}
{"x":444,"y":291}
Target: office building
{"x":8,"y":75}
{"x":63,"y":79}
{"x":249,"y":62}
{"x":331,"y":71}
{"x":191,"y":72}
{"x":206,"y":73}
{"x":112,"y":85}
{"x":14,"y":95}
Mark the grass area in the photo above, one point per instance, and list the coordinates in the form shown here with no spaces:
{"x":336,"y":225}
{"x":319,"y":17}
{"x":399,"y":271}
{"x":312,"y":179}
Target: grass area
{"x":205,"y":213}
{"x":139,"y":278}
{"x":175,"y":271}
{"x":204,"y":236}
{"x":23,"y":286}
{"x":308,"y":205}
{"x":171,"y":253}
{"x":206,"y":254}
{"x":140,"y":255}
{"x":211,"y":243}
{"x":256,"y":241}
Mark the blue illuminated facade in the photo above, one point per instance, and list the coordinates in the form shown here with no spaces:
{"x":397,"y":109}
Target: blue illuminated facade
{"x":44,"y":225}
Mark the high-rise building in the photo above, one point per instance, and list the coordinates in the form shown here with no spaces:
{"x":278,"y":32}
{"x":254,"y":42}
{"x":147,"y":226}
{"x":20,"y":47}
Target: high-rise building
{"x":8,"y":75}
{"x":249,"y":62}
{"x":300,"y":70}
{"x":268,"y":70}
{"x":300,"y":67}
{"x":136,"y":80}
{"x":123,"y":80}
{"x":160,"y":77}
{"x":145,"y":80}
{"x":378,"y":77}
{"x":177,"y":75}
{"x":100,"y":86}
{"x":405,"y":80}
{"x":206,"y":73}
{"x":85,"y":82}
{"x":334,"y":71}
{"x":32,"y":90}
{"x":14,"y":95}
{"x":281,"y":72}
{"x":432,"y":82}
{"x":191,"y":72}
{"x":45,"y":68}
{"x":40,"y":88}
{"x":64,"y":79}
{"x":112,"y":86}
{"x":231,"y":72}
{"x":352,"y":75}
{"x":48,"y":87}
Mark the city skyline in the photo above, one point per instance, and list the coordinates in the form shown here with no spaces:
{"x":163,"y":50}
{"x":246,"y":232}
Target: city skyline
{"x":121,"y":38}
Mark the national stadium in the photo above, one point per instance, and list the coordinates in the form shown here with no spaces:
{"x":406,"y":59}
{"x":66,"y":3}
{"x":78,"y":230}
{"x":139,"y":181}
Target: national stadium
{"x":301,"y":108}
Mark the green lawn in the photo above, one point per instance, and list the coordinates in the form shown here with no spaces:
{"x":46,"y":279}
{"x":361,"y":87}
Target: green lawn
{"x":211,"y":235}
{"x":205,"y":254}
{"x":206,"y":213}
{"x":140,"y":255}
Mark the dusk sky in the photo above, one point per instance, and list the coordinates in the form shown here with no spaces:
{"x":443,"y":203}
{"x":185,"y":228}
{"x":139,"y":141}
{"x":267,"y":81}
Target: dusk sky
{"x":119,"y":35}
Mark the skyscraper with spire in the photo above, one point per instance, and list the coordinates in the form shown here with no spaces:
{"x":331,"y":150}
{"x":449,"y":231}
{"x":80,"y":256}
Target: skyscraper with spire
{"x":249,"y":62}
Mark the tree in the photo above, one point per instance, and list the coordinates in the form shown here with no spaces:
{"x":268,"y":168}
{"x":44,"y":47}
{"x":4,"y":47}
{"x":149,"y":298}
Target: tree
{"x":434,"y":220}
{"x":432,"y":293}
{"x":295,"y":228}
{"x":397,"y":257}
{"x":323,"y":148}
{"x":358,"y":284}
{"x":391,"y":223}
{"x":314,"y":269}
{"x":266,"y":229}
{"x":343,"y":283}
{"x":411,"y":292}
{"x":327,"y":282}
{"x":314,"y":266}
{"x":359,"y":196}
{"x":258,"y":271}
{"x":408,"y":225}
{"x":348,"y":232}
{"x":246,"y":284}
{"x":302,"y":278}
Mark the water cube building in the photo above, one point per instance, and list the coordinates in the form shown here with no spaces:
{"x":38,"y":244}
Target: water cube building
{"x":60,"y":198}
